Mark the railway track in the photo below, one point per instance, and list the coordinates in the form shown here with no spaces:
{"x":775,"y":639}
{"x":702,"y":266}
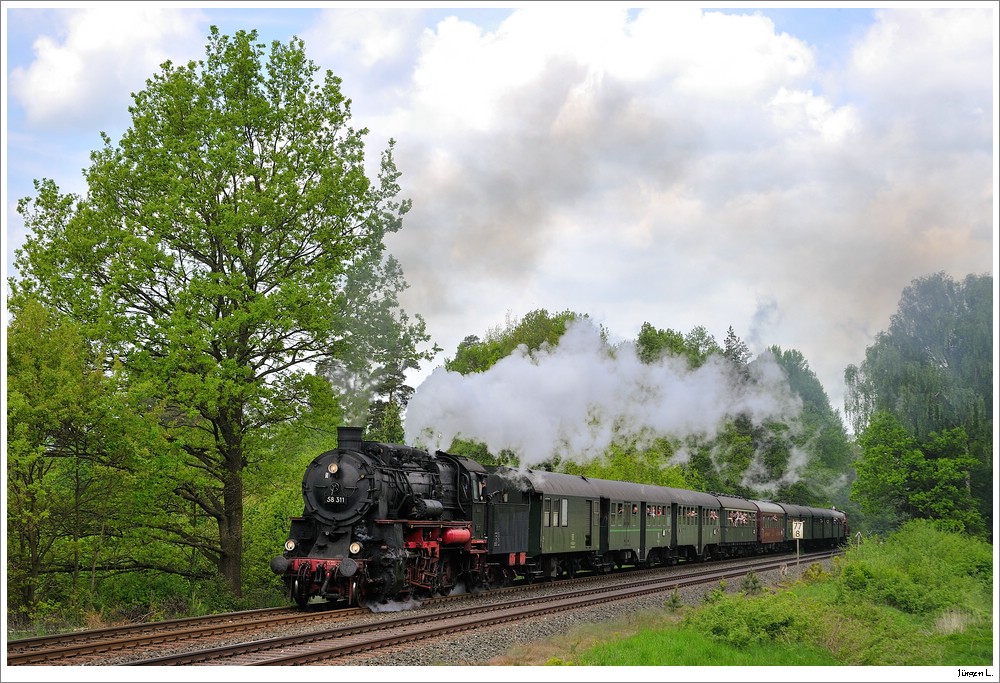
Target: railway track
{"x":82,"y":644}
{"x":323,"y":642}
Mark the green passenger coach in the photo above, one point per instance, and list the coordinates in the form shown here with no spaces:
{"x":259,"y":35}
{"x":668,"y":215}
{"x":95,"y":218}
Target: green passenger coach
{"x":547,"y":524}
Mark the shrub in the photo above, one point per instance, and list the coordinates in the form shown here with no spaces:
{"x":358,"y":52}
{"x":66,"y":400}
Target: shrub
{"x":814,"y":573}
{"x":745,"y":622}
{"x":918,"y":569}
{"x":750,"y":584}
{"x":715,"y":594}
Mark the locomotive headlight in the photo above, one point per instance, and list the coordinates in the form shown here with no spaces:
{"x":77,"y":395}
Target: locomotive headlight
{"x":290,"y":545}
{"x":332,"y":468}
{"x":355,"y":548}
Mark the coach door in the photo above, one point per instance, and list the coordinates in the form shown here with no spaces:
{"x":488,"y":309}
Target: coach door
{"x":643,"y":522}
{"x":604,"y":538}
{"x":631,"y":521}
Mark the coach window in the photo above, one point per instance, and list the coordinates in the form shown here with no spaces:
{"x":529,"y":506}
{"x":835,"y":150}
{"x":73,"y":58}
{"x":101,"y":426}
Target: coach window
{"x":565,"y":511}
{"x":546,"y":512}
{"x":555,"y":514}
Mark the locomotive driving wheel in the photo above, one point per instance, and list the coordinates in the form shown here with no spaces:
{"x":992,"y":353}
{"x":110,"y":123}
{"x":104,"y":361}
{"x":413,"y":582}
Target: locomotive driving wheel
{"x":300,"y":585}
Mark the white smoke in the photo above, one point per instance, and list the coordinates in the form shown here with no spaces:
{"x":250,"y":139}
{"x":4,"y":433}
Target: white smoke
{"x":757,"y":477}
{"x":394,"y":605}
{"x":575,"y":399}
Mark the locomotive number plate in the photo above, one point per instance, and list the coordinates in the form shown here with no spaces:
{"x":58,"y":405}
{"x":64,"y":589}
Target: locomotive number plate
{"x":334,"y":500}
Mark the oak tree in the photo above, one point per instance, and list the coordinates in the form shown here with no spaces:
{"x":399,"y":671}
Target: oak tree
{"x":231,"y":240}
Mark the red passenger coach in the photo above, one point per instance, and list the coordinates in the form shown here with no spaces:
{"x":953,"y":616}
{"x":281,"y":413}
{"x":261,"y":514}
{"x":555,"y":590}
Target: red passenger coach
{"x":770,"y":525}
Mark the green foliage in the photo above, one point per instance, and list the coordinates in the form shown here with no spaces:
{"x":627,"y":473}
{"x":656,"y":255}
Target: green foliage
{"x":385,"y":422}
{"x":919,"y":569}
{"x":733,"y":451}
{"x":750,"y":584}
{"x":695,"y":347}
{"x":653,"y":344}
{"x":822,"y":478}
{"x":74,"y":447}
{"x":815,"y":572}
{"x":929,"y":480}
{"x":476,"y":450}
{"x":744,"y":622}
{"x":889,"y":586}
{"x":537,"y":330}
{"x":822,"y":427}
{"x":266,"y":526}
{"x":715,"y":595}
{"x":737,"y":352}
{"x":688,"y":646}
{"x":932,"y":371}
{"x":626,"y":460}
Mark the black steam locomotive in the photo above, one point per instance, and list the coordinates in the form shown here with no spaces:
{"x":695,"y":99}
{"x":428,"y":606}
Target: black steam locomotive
{"x":390,"y":522}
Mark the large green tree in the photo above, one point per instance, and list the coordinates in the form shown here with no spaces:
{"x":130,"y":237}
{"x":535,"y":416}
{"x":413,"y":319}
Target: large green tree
{"x":230,"y":240}
{"x":933,"y":371}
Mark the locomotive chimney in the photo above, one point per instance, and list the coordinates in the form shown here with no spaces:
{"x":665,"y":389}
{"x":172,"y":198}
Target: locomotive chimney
{"x":349,"y":437}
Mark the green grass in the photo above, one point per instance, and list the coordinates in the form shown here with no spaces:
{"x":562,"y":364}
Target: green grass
{"x":804,"y":626}
{"x":923,"y":597}
{"x":685,"y":646}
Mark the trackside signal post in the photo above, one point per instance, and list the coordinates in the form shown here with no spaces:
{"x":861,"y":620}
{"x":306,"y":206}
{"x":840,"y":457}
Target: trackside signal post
{"x":797,"y":534}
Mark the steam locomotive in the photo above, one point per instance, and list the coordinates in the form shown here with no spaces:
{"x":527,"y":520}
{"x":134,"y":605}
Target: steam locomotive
{"x":388,"y":522}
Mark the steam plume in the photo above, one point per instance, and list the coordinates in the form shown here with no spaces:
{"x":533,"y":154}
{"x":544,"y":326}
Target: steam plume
{"x":575,"y":399}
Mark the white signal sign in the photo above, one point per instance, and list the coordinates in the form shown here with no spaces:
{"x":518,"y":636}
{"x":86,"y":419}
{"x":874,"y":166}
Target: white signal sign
{"x":797,"y":529}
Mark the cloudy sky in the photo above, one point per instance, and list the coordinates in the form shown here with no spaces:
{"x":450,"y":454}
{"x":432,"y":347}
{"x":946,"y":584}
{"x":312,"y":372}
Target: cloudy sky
{"x":786,"y":172}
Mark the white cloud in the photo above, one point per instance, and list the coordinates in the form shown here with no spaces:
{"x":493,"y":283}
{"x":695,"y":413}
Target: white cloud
{"x":362,"y":37}
{"x":807,"y":113}
{"x":916,"y":51}
{"x":91,"y":62}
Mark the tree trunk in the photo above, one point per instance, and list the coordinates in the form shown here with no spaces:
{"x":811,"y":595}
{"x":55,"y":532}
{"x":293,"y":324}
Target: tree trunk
{"x":231,"y":524}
